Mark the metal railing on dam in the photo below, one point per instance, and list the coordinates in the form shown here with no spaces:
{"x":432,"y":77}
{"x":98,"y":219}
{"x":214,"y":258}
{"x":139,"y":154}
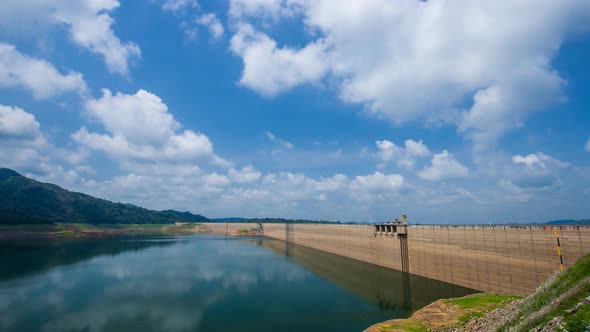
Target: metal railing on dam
{"x":503,"y":259}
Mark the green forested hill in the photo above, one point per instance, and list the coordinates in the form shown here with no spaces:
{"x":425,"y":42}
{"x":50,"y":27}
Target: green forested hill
{"x":23,"y":200}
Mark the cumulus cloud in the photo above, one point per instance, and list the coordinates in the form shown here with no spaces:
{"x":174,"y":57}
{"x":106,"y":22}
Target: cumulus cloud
{"x":140,"y":127}
{"x":23,"y":146}
{"x":427,"y":57}
{"x":178,"y":5}
{"x":378,"y":182}
{"x":16,"y":123}
{"x":531,"y":159}
{"x":191,"y":16}
{"x":215,"y":180}
{"x":88,"y":22}
{"x":247,"y":191}
{"x":443,"y":167}
{"x":211,"y":22}
{"x":247,"y":174}
{"x":535,"y":171}
{"x":268,"y":9}
{"x":403,"y":156}
{"x":36,"y":75}
{"x":269,"y":69}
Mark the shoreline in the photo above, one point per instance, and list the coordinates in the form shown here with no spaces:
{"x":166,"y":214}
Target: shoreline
{"x":88,"y":231}
{"x":447,"y":314}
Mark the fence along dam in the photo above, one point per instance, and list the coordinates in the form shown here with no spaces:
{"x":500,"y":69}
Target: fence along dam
{"x":496,"y":258}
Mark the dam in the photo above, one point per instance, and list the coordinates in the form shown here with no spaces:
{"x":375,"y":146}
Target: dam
{"x":513,"y":259}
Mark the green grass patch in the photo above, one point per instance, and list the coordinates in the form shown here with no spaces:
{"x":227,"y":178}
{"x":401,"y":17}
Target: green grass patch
{"x":561,"y":310}
{"x":478,"y":304}
{"x":482,"y":301}
{"x":405,"y":325}
{"x":579,"y":320}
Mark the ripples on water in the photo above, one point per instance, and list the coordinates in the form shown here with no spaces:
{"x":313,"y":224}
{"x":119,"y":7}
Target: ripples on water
{"x":199,"y":283}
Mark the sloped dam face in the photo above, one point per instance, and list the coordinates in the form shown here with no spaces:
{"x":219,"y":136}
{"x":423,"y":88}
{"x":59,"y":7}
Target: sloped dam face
{"x":503,"y":259}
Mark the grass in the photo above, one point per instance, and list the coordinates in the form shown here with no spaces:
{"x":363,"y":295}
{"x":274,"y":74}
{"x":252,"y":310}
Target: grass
{"x":405,"y":325}
{"x":579,"y":320}
{"x":456,"y":312}
{"x":478,"y":304}
{"x":560,"y":284}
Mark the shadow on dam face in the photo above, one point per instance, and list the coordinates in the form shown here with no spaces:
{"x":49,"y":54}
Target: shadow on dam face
{"x":389,"y":289}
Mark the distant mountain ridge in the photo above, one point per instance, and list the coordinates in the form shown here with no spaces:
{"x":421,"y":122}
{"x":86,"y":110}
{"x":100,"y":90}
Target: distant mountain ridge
{"x":26,"y":201}
{"x":229,"y":219}
{"x":569,"y":222}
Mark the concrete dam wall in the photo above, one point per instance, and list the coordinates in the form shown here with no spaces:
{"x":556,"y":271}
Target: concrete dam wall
{"x":504,"y":259}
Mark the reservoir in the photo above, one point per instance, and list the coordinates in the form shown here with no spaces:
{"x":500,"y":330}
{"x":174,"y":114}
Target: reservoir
{"x":199,"y":283}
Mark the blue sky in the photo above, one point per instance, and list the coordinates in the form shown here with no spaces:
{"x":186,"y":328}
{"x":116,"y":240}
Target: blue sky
{"x":448,"y":111}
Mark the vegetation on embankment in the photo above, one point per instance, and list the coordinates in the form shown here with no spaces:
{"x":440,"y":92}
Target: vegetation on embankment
{"x":561,"y":304}
{"x":80,"y":231}
{"x":26,"y":201}
{"x":446,"y":314}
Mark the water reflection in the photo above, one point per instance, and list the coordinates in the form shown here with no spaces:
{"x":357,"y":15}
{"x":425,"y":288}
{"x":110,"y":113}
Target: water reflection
{"x":200,"y":283}
{"x":389,"y":289}
{"x":21,"y":258}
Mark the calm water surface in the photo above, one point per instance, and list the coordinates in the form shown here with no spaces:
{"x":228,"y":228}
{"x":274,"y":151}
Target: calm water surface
{"x":199,"y":283}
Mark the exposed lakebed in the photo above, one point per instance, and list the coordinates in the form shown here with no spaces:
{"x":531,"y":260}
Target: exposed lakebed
{"x":199,"y":283}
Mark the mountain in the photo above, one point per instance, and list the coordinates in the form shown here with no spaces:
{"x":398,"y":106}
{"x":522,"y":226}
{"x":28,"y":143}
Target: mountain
{"x":24,"y":200}
{"x":230,"y":219}
{"x":288,"y":221}
{"x":569,"y":222}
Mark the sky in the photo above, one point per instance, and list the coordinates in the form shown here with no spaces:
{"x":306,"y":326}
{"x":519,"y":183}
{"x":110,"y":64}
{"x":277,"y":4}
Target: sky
{"x":449,"y":111}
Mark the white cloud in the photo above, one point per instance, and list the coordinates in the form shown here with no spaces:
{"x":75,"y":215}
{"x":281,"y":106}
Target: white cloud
{"x":281,"y":143}
{"x":247,"y":174}
{"x":216,"y":180}
{"x":378,"y":182}
{"x":139,"y":126}
{"x":588,"y":145}
{"x":531,"y":159}
{"x":387,"y":150}
{"x":269,"y":69}
{"x":443,"y":167}
{"x":178,"y":5}
{"x":536,"y":171}
{"x":21,"y":142}
{"x":23,"y":146}
{"x":538,"y":159}
{"x":140,"y":117}
{"x":16,"y":123}
{"x":191,"y":16}
{"x":272,"y":194}
{"x":269,"y":9}
{"x":404,"y":156}
{"x":39,"y":76}
{"x":88,"y":22}
{"x":426,"y":57}
{"x":416,"y":149}
{"x":213,"y":24}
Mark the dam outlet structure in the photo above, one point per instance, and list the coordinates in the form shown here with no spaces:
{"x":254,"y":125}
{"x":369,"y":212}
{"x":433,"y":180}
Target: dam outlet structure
{"x":512,"y":259}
